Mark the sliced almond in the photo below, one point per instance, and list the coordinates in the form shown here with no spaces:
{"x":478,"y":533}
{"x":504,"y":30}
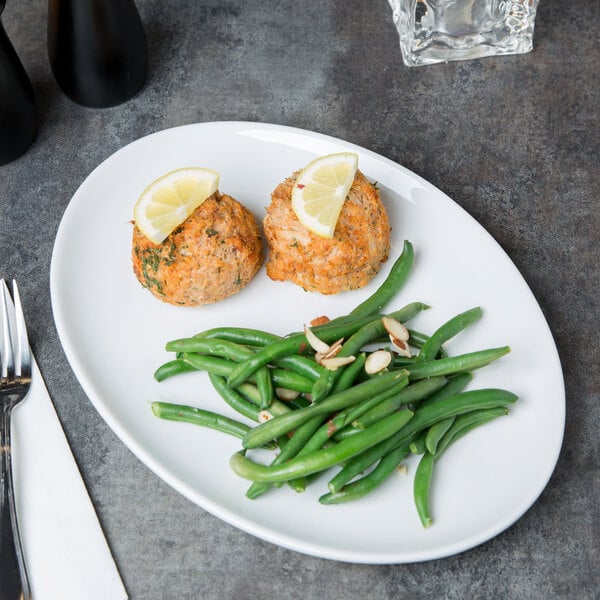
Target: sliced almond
{"x":286,"y":394}
{"x":377,"y":361}
{"x":396,"y":329}
{"x":316,"y":344}
{"x":399,"y":335}
{"x":335,"y":348}
{"x":264,"y":415}
{"x":331,"y":352}
{"x":401,"y":346}
{"x":336,"y":362}
{"x":402,"y":470}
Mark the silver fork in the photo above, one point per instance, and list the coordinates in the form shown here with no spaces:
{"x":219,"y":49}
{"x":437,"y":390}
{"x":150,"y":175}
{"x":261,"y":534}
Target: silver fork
{"x":15,"y":380}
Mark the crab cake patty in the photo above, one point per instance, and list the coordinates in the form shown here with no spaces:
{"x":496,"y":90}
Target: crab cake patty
{"x":348,"y":261}
{"x":213,"y":254}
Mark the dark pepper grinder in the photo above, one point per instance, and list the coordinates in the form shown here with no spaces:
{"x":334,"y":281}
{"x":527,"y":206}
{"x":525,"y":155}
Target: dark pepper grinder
{"x":97,"y":50}
{"x":17,"y":102}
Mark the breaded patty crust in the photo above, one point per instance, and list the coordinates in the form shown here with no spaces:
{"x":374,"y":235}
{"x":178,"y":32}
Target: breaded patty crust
{"x":348,"y":261}
{"x":213,"y":254}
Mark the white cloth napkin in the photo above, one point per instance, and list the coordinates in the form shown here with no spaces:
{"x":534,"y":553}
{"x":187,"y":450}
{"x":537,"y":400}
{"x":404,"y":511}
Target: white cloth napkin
{"x":65,"y":549}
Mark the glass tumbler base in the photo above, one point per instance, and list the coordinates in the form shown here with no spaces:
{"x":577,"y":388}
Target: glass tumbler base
{"x":437,"y":31}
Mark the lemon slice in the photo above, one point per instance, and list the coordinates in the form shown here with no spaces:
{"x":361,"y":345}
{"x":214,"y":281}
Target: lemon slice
{"x":320,"y":190}
{"x":170,"y":199}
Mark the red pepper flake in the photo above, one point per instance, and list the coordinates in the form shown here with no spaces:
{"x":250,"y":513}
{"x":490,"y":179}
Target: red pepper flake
{"x":331,"y":428}
{"x":300,"y":186}
{"x":319,"y":321}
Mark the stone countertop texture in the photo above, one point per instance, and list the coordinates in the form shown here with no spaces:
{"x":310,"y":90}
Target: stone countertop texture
{"x":513,"y":140}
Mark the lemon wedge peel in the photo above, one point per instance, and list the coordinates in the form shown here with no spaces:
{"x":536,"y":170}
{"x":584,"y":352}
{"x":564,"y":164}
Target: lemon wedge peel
{"x":320,"y":190}
{"x":169,"y":200}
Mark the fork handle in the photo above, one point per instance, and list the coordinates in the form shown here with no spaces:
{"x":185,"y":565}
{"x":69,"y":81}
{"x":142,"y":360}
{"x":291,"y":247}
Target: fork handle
{"x":14,"y":584}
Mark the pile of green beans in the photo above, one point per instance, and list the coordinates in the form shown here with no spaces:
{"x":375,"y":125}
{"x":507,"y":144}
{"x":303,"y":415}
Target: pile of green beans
{"x":316,"y":419}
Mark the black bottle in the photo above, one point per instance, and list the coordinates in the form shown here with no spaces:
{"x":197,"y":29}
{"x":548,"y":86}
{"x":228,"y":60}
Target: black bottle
{"x":17,"y":102}
{"x":97,"y":50}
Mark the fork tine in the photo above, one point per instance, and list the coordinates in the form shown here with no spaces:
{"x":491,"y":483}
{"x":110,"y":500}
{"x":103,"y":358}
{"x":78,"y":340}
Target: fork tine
{"x":23,"y":358}
{"x":6,"y":353}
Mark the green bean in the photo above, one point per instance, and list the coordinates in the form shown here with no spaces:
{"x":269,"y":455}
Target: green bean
{"x":455,"y":385}
{"x":418,"y":339}
{"x":234,"y":399}
{"x":240,"y":335}
{"x":350,"y":374}
{"x":461,"y":403}
{"x":400,"y":362}
{"x":339,"y":421}
{"x":356,"y":421}
{"x":417,"y":446}
{"x":296,"y":403}
{"x":233,"y":346}
{"x":357,"y":411}
{"x":463,"y":424}
{"x":333,"y":428}
{"x":210,"y":346}
{"x":292,"y":344}
{"x":198,"y":416}
{"x":250,"y":392}
{"x":392,"y":284}
{"x":447,"y":331}
{"x":303,"y":365}
{"x":456,"y":364}
{"x":413,"y":393}
{"x":354,"y":322}
{"x":323,"y":459}
{"x":424,"y":418}
{"x":230,"y":350}
{"x":208,"y":363}
{"x":346,"y":432}
{"x":371,"y":330}
{"x":291,"y":449}
{"x":356,"y":341}
{"x":280,"y":425}
{"x":423,"y":474}
{"x":220,"y":366}
{"x":265,"y":387}
{"x":436,"y":432}
{"x":421,"y":486}
{"x":363,"y":486}
{"x":172,"y":368}
{"x":298,"y":484}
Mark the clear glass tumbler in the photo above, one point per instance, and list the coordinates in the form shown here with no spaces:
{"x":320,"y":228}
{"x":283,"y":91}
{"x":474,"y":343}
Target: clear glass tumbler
{"x":434,"y":31}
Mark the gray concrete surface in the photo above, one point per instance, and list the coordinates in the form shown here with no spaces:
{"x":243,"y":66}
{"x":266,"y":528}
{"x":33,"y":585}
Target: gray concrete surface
{"x":514,"y":141}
